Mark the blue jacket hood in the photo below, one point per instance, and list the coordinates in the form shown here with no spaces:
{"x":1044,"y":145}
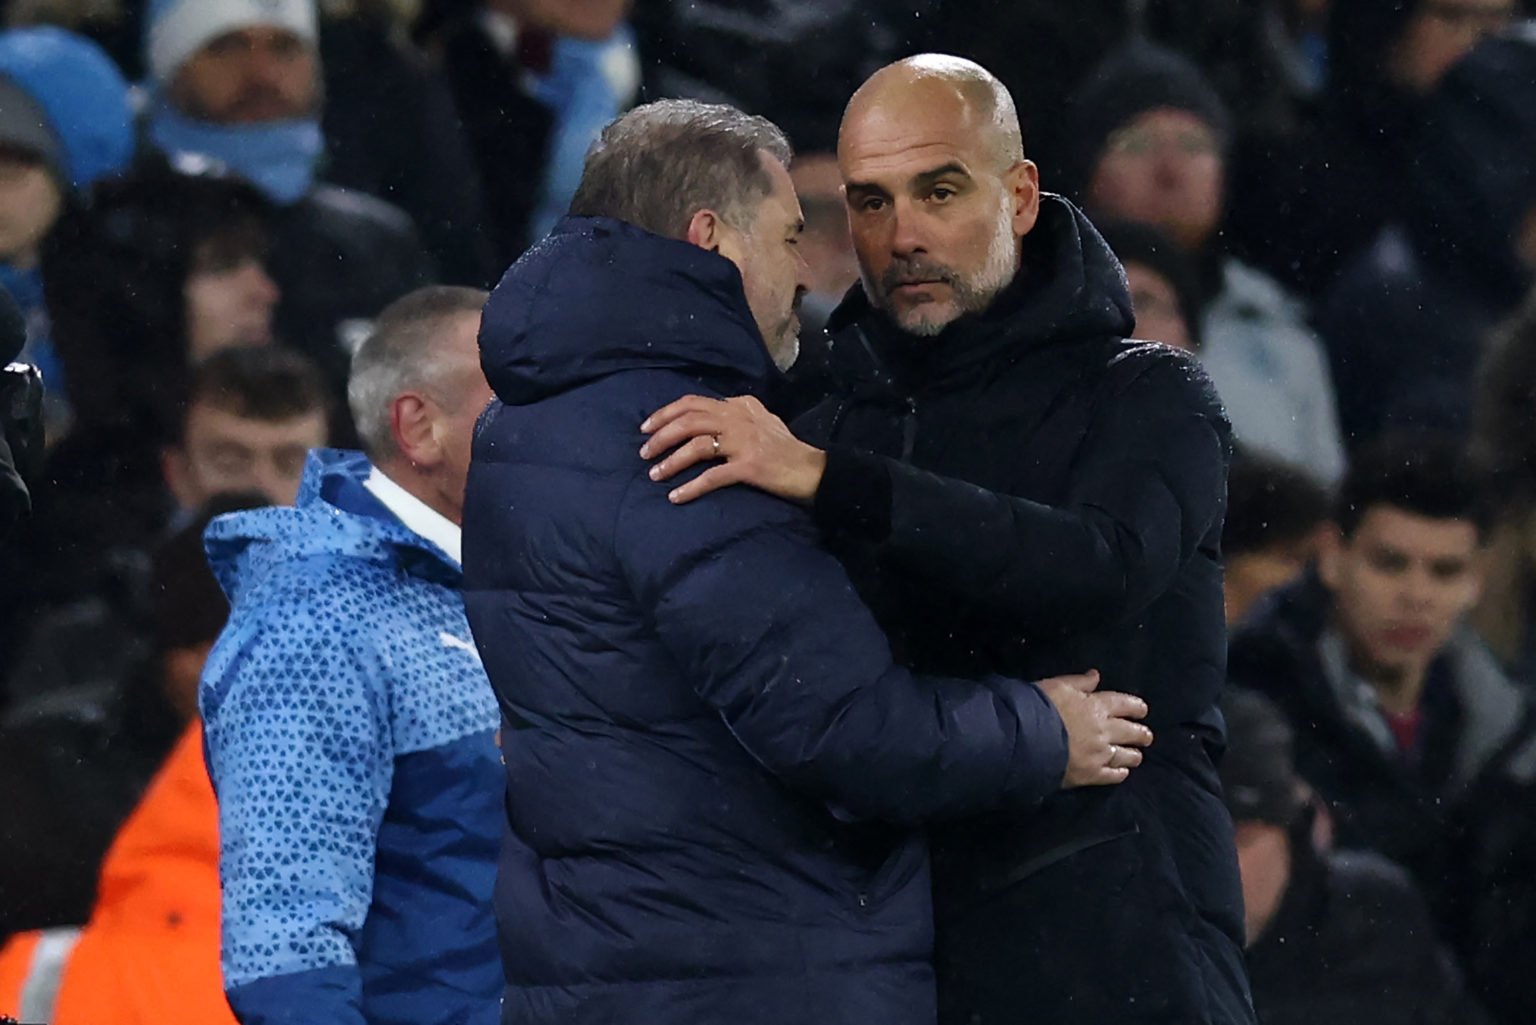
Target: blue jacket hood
{"x":83,"y":94}
{"x":600,"y":296}
{"x":335,"y":515}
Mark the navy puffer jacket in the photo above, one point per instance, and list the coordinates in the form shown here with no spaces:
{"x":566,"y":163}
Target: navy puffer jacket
{"x":711,"y":756}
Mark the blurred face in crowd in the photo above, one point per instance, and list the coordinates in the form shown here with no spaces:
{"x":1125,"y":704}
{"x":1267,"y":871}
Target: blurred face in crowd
{"x":1159,"y":317}
{"x":1439,"y":33}
{"x":229,"y":296}
{"x":1264,"y":859}
{"x":249,"y":77}
{"x":1164,"y":169}
{"x":766,"y":251}
{"x":29,"y":205}
{"x":224,"y":451}
{"x":1401,"y":585}
{"x":826,"y":244}
{"x":938,"y":196}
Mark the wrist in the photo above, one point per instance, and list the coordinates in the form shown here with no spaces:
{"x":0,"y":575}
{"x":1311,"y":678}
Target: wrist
{"x":807,"y":479}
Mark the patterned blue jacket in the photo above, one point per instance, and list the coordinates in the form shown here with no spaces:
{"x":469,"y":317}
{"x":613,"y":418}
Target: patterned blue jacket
{"x":350,"y":736}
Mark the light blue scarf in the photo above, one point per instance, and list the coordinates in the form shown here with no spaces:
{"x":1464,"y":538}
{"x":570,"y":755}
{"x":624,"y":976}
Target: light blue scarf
{"x":278,"y":158}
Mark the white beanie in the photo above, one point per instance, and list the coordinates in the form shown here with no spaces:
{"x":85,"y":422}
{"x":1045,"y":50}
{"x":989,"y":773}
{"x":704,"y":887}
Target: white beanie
{"x":179,"y":28}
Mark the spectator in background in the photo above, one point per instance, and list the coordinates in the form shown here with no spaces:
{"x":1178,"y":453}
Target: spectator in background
{"x":1406,"y":320}
{"x":251,"y":416}
{"x":1334,"y":938}
{"x":64,"y":124}
{"x":1307,"y":200}
{"x":1276,"y":519}
{"x":1505,"y":442}
{"x":1165,"y":289}
{"x":358,"y":846}
{"x":238,"y":82}
{"x":535,"y":81}
{"x":161,"y":269}
{"x":91,"y":747}
{"x":1400,"y":713}
{"x":1150,"y":143}
{"x":391,"y":131}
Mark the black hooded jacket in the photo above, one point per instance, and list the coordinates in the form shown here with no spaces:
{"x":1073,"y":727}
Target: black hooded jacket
{"x":1029,"y":493}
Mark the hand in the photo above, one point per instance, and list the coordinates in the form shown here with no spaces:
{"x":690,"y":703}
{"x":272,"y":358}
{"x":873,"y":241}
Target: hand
{"x":1104,"y":741}
{"x":756,"y":447}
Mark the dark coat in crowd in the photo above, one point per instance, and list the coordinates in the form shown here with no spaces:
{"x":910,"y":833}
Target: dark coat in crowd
{"x":391,"y":131}
{"x":1457,"y":814}
{"x":699,"y":711}
{"x":1353,"y":941}
{"x":507,"y":127}
{"x":339,"y":258}
{"x":1406,"y":320}
{"x":1031,"y":494}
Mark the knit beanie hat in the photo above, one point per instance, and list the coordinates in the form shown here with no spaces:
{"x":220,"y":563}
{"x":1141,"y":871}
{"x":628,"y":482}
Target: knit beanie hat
{"x":179,"y":28}
{"x":62,"y":98}
{"x":1131,"y":81}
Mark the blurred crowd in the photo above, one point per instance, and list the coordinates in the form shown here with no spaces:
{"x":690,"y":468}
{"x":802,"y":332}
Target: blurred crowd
{"x":1332,"y":203}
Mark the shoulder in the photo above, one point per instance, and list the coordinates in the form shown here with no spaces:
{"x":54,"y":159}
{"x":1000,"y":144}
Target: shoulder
{"x":1160,"y":374}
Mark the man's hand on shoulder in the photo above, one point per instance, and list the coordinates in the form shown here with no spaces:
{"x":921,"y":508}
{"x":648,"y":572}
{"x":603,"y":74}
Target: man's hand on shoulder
{"x":750,"y":445}
{"x":1104,"y":740}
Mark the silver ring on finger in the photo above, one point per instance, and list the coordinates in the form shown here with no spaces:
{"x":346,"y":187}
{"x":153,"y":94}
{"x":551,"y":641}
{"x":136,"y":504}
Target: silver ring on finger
{"x":715,"y":439}
{"x":1114,"y":752}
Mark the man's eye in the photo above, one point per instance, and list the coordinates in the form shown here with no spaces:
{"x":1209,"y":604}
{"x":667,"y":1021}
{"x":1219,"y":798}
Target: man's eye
{"x":871,"y":205}
{"x":943,"y":193}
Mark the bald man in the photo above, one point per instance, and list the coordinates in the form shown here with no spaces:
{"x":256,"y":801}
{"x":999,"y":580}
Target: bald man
{"x":1017,"y":488}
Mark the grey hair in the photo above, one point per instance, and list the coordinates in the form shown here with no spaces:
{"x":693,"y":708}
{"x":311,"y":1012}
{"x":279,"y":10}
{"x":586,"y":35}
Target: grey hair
{"x":661,"y":163}
{"x":401,"y":355}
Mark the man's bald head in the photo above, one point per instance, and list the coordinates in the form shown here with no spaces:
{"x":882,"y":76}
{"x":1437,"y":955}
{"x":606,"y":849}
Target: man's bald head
{"x":952,"y":85}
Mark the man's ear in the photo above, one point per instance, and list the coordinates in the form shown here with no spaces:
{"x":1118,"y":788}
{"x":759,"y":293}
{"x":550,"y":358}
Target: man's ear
{"x":1023,"y":182}
{"x":413,"y":425}
{"x":177,"y":471}
{"x":705,"y":229}
{"x":1330,"y":555}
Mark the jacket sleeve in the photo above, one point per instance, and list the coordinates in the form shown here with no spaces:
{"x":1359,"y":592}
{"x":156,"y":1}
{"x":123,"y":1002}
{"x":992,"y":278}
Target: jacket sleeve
{"x":772,"y":635}
{"x":1149,"y":484}
{"x":298,"y":747}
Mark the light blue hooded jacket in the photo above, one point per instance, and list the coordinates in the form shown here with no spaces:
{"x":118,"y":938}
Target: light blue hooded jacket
{"x":350,"y":736}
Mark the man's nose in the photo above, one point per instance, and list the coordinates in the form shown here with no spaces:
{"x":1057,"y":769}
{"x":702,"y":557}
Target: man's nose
{"x":259,"y":286}
{"x":907,"y":235}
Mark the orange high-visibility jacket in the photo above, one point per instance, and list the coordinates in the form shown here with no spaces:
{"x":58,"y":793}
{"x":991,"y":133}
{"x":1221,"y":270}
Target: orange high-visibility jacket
{"x":150,"y":953}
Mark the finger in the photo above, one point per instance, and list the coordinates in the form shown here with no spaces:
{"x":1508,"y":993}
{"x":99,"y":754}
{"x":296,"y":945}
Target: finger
{"x":699,"y":450}
{"x":1127,"y":733}
{"x":1087,"y":682}
{"x":1126,"y":758}
{"x":1108,"y":777}
{"x":722,"y":476}
{"x":666,"y":414}
{"x":1121,"y":706}
{"x":695,"y":424}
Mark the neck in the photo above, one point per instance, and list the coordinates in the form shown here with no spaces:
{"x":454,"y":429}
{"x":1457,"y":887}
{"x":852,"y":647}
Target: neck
{"x":1398,"y":688}
{"x":422,"y":486}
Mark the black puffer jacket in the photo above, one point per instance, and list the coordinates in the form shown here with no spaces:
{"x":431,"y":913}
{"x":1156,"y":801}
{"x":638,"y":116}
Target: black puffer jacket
{"x":1030,"y":494}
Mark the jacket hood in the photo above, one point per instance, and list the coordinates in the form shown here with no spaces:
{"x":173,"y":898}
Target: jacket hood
{"x":1476,"y":182}
{"x":335,"y":516}
{"x":600,"y":296}
{"x":1071,"y":289}
{"x":82,"y":94}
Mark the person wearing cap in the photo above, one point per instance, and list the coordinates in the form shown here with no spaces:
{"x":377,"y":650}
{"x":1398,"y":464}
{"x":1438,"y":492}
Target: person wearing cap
{"x":238,"y":82}
{"x":65,"y":123}
{"x":1150,"y":146}
{"x":1334,"y":937}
